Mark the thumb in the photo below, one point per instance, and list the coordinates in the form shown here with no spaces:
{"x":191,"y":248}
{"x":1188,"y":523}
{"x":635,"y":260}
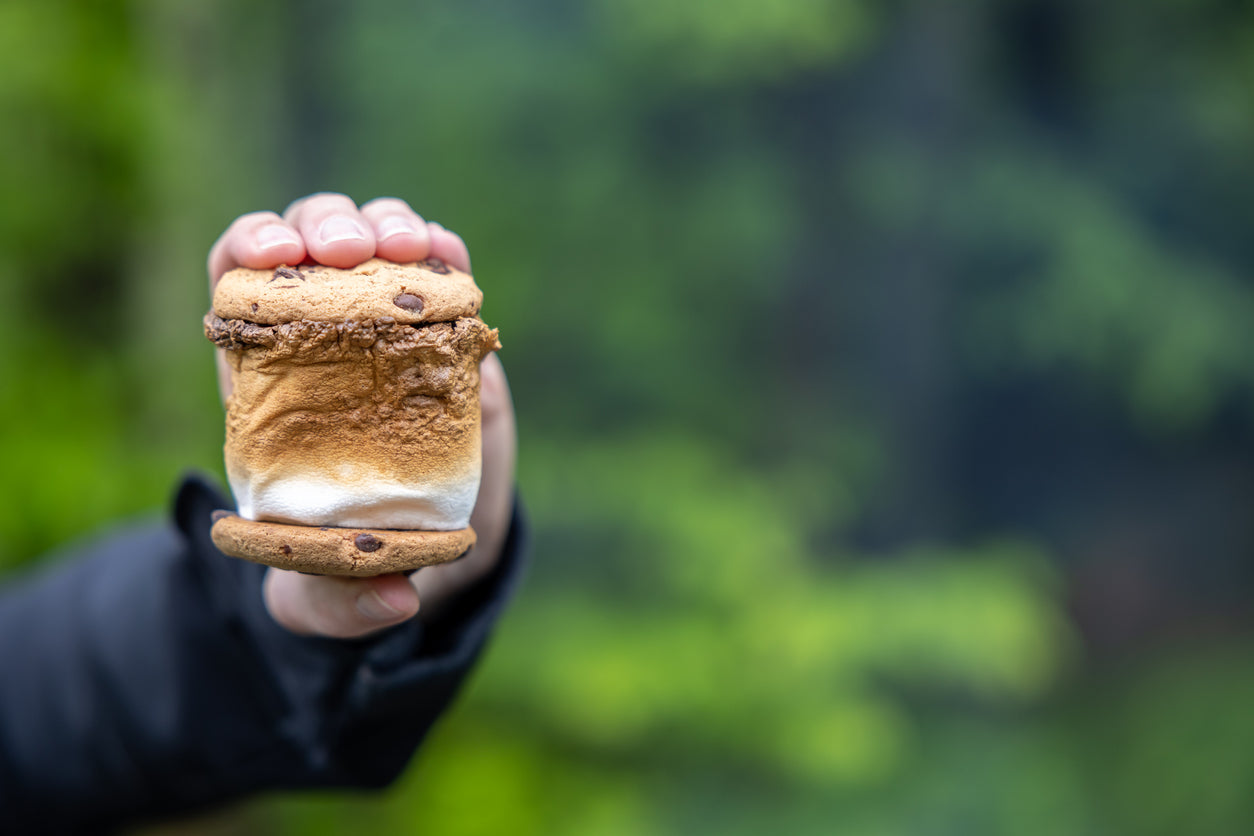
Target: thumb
{"x":338,"y":607}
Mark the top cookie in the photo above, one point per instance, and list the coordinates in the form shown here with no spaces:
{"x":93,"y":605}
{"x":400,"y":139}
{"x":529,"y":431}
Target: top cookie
{"x":428,"y":291}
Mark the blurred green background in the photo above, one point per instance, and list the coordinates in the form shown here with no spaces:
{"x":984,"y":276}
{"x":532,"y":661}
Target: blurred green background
{"x":883,"y":374}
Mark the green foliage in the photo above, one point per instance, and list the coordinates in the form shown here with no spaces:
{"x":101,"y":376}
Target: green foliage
{"x":99,"y":408}
{"x":736,"y":40}
{"x":710,"y":233}
{"x":1104,"y":297}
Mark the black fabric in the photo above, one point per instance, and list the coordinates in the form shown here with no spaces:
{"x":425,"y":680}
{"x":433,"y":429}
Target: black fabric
{"x":141,"y":677}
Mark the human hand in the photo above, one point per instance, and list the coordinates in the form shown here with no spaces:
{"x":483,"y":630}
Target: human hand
{"x":330,"y":229}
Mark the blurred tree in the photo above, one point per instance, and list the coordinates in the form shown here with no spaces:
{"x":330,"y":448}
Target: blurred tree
{"x":846,"y":337}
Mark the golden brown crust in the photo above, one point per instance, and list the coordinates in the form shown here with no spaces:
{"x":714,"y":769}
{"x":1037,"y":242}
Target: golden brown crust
{"x":427,"y":291}
{"x":353,"y":552}
{"x":396,"y":401}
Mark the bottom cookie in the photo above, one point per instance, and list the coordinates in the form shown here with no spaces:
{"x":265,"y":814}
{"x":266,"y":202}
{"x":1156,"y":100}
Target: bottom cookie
{"x":354,"y":552}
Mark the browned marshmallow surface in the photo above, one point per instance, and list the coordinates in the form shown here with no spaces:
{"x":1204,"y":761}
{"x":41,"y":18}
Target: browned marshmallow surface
{"x":372,"y":423}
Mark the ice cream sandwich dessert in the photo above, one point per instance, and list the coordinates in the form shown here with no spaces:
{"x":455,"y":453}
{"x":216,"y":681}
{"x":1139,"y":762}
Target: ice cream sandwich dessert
{"x":352,"y":428}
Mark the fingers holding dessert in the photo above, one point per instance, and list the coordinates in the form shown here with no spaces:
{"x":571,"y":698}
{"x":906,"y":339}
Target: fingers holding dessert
{"x":334,"y":231}
{"x":330,"y":229}
{"x":343,"y":608}
{"x":400,"y":233}
{"x":257,"y":240}
{"x":352,"y":342}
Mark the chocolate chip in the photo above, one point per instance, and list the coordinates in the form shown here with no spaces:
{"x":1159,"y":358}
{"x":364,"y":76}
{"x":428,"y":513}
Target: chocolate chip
{"x":219,"y":515}
{"x":367,"y":542}
{"x":436,"y":265}
{"x":286,"y":273}
{"x":409,"y":302}
{"x":285,"y":548}
{"x":254,"y":306}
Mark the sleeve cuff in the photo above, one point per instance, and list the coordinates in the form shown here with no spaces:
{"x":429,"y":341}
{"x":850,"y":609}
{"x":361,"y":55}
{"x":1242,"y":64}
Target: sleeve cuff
{"x":355,"y":709}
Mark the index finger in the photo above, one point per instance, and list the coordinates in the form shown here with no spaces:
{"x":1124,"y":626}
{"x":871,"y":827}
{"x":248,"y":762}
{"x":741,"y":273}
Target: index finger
{"x":259,"y":240}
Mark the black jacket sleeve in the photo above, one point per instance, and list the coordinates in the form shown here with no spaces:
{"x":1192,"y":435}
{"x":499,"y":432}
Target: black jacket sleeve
{"x":141,"y":677}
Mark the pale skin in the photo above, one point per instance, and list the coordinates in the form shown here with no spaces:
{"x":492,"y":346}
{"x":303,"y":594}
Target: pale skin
{"x":331,"y":229}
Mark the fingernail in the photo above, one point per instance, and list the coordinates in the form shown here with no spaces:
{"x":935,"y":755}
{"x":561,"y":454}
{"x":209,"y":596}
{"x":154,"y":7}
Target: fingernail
{"x":395,"y":225}
{"x":340,"y":228}
{"x":372,"y":606}
{"x":274,"y":235}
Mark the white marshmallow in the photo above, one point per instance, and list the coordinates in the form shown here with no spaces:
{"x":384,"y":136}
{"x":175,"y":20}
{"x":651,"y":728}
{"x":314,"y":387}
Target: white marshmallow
{"x":371,"y":502}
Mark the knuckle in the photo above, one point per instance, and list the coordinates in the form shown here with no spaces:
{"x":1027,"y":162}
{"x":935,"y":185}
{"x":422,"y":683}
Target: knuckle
{"x":386,"y":205}
{"x":330,"y":201}
{"x":318,"y":200}
{"x":253,"y":219}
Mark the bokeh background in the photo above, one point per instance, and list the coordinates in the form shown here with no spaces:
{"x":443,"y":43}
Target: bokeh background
{"x":883,"y":373}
